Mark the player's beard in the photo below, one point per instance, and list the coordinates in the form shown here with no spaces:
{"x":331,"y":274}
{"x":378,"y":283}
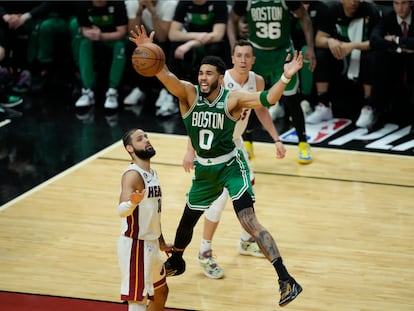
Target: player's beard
{"x":145,"y":154}
{"x":213,"y":87}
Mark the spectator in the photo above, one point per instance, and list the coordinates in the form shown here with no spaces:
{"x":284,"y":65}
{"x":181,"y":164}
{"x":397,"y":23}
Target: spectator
{"x":104,"y":26}
{"x":307,"y":86}
{"x":392,"y":41}
{"x":198,"y":29}
{"x":54,"y":36}
{"x":22,"y":20}
{"x":270,"y":33}
{"x":342,"y":43}
{"x":155,"y":16}
{"x":7,"y":100}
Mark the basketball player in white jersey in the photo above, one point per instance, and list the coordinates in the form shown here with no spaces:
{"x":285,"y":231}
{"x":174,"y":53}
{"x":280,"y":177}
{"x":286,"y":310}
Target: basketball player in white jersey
{"x":238,"y":77}
{"x":141,"y":241}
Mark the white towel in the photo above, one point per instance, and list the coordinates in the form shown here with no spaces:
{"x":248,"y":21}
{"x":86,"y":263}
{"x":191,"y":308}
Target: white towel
{"x":355,"y":30}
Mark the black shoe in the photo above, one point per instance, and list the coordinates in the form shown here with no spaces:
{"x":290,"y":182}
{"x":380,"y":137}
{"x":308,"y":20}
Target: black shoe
{"x":289,"y":290}
{"x":174,"y":266}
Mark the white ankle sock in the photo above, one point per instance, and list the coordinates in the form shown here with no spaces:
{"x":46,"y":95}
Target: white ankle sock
{"x":244,"y":236}
{"x":205,"y":246}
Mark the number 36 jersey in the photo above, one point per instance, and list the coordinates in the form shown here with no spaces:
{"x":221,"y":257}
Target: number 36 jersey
{"x":268,"y":20}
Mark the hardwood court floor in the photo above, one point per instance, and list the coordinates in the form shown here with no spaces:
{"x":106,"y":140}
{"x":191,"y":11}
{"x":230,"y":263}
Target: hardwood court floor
{"x":344,"y":225}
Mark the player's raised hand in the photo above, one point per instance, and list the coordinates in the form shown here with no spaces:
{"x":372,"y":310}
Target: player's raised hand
{"x":294,"y":65}
{"x":139,"y":35}
{"x":137,"y":196}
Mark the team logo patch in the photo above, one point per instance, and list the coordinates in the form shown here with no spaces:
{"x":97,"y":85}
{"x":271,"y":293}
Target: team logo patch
{"x":317,"y":133}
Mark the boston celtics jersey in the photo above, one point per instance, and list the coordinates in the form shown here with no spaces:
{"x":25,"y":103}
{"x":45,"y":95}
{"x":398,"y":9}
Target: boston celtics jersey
{"x":269,"y":23}
{"x":210,"y":125}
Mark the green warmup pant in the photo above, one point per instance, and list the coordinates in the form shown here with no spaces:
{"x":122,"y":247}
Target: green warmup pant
{"x":87,"y":49}
{"x":306,"y":76}
{"x":48,"y":30}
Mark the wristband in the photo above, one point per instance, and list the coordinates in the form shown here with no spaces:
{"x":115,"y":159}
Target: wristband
{"x":263,"y":99}
{"x":278,"y":141}
{"x":284,"y":79}
{"x":124,"y":208}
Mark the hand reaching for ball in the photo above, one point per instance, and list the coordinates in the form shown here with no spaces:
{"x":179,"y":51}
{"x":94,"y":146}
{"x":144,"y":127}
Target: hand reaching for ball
{"x":139,"y":36}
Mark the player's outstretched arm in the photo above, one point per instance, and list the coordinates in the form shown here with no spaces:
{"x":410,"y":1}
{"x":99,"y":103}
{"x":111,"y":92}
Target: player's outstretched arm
{"x":243,"y":99}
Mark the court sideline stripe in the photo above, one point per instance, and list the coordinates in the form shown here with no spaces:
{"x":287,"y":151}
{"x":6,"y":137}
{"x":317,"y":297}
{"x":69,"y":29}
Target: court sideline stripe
{"x":5,"y":122}
{"x":286,"y":175}
{"x":60,"y":175}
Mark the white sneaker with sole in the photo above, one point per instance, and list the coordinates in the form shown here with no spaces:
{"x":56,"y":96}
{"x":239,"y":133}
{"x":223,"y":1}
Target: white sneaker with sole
{"x":250,"y":249}
{"x":321,"y":113}
{"x":87,"y":99}
{"x":168,"y":106}
{"x":277,"y":111}
{"x":133,"y":97}
{"x":366,"y":118}
{"x":111,"y":101}
{"x":209,"y":265}
{"x":161,"y":98}
{"x":306,"y":108}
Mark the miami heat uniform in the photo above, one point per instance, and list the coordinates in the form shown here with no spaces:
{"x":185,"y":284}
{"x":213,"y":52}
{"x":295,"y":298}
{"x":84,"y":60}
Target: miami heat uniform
{"x":139,"y":256}
{"x":241,"y":124}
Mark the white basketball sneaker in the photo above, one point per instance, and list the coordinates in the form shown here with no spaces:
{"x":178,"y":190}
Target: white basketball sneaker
{"x":320,"y":114}
{"x":87,"y":99}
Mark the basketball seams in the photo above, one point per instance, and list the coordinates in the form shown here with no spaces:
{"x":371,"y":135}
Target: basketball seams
{"x":148,"y":59}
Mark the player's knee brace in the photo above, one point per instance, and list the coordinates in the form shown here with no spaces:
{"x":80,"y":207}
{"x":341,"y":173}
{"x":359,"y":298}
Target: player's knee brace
{"x":245,"y":201}
{"x":214,"y":212}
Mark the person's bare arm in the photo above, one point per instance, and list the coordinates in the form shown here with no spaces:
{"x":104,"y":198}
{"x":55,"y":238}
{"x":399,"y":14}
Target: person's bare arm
{"x":177,"y":34}
{"x":132,"y":192}
{"x":118,"y":34}
{"x":161,"y":27}
{"x":232,"y":28}
{"x":309,"y":34}
{"x":188,"y":161}
{"x":217,"y":35}
{"x":242,"y":99}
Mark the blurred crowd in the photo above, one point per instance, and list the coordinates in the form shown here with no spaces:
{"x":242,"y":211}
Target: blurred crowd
{"x":362,"y":48}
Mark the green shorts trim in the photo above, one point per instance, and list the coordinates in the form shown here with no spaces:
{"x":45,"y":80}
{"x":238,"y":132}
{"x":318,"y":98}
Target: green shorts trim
{"x":209,"y":181}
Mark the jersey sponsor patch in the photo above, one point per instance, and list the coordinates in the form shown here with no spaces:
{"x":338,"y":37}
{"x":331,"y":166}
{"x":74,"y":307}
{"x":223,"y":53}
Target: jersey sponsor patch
{"x":317,"y":133}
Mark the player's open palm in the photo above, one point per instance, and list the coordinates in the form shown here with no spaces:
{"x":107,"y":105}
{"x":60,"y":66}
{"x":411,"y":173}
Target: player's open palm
{"x":137,"y":196}
{"x":293,"y":66}
{"x":139,"y":35}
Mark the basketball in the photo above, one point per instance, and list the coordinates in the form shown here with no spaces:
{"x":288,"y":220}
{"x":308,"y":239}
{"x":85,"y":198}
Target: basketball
{"x":148,"y":59}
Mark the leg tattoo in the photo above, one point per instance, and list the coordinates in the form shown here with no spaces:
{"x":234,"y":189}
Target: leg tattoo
{"x":263,"y":238}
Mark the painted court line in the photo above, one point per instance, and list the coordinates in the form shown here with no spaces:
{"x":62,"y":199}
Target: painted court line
{"x":60,"y":175}
{"x":5,"y":122}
